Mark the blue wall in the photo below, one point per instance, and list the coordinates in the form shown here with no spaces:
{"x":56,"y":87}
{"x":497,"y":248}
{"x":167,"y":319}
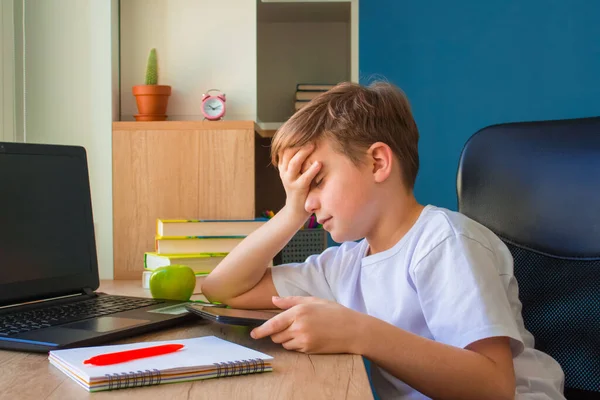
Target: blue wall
{"x":468,"y":64}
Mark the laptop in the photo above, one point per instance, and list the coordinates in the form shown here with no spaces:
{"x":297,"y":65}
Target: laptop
{"x":48,"y":264}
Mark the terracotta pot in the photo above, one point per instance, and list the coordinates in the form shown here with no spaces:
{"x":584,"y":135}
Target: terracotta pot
{"x":151,"y":101}
{"x":150,"y":117}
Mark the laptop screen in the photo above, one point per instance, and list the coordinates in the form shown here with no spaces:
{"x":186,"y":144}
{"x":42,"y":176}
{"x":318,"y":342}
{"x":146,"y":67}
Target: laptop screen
{"x":46,"y":229}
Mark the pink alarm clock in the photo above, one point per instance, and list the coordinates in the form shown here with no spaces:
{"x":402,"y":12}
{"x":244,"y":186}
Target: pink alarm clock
{"x":213,"y":105}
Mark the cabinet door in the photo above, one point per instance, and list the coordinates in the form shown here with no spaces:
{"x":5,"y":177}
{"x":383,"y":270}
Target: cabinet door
{"x":176,"y":174}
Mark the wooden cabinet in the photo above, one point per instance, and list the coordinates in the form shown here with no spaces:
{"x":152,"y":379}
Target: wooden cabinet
{"x":182,"y":169}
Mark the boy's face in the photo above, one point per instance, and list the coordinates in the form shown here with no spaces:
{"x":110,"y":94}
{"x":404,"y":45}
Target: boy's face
{"x":341,"y":195}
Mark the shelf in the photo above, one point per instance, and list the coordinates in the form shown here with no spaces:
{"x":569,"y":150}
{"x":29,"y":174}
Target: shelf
{"x":315,"y":40}
{"x":295,"y":11}
{"x":268,"y":129}
{"x":183,"y":125}
{"x":271,"y":47}
{"x":265,"y":130}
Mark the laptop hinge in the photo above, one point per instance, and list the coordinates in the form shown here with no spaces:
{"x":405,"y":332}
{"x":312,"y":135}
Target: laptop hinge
{"x":33,"y":303}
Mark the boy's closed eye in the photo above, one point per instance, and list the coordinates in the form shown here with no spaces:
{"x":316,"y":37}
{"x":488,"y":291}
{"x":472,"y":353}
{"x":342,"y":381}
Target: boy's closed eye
{"x":317,"y":182}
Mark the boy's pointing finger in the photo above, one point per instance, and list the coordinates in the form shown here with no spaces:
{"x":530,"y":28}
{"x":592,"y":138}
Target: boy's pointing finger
{"x":276,"y":324}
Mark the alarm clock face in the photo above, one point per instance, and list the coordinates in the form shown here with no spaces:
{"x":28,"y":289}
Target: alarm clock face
{"x":213,"y":108}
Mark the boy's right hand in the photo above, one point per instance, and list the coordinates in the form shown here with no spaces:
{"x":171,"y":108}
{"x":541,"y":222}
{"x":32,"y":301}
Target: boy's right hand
{"x":295,"y":182}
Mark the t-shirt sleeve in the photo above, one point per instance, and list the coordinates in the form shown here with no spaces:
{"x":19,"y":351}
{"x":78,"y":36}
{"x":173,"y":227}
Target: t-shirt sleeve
{"x":306,"y":279}
{"x":462,"y":295}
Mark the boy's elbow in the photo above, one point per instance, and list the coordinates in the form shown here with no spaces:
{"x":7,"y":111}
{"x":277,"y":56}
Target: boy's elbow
{"x":508,"y":395}
{"x":214,"y":295}
{"x":211,"y":292}
{"x":507,"y":391}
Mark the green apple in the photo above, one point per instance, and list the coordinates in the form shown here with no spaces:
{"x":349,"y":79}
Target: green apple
{"x":173,"y":282}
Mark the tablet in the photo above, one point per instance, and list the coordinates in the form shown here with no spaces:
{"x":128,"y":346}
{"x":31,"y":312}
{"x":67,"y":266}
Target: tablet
{"x":231,"y":316}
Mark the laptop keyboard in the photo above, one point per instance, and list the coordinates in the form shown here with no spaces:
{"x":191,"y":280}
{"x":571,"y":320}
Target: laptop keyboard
{"x":11,"y":324}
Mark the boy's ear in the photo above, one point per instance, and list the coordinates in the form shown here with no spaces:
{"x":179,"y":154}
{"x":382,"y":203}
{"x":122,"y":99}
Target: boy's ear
{"x":381,"y":160}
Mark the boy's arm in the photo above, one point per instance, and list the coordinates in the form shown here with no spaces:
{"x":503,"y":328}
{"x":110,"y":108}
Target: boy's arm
{"x":483,"y":370}
{"x":242,"y":279}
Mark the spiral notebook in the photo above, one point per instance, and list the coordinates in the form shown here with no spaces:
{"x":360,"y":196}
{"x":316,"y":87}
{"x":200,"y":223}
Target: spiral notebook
{"x":200,"y":358}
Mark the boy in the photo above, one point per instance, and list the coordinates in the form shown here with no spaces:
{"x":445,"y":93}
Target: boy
{"x":428,"y":295}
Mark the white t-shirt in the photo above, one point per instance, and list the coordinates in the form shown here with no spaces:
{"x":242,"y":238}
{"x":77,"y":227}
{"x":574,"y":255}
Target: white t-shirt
{"x":449,"y":279}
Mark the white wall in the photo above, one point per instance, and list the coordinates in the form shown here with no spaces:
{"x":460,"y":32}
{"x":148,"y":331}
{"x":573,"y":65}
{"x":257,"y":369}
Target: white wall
{"x":200,"y":45}
{"x":354,"y":26}
{"x":70,"y":86}
{"x":7,"y":72}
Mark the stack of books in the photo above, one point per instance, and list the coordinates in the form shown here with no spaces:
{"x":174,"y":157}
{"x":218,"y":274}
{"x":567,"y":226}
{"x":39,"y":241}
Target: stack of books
{"x":199,"y":244}
{"x":305,"y":92}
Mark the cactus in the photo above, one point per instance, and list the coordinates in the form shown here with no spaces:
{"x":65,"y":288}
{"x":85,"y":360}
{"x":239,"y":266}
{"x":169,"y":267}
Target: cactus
{"x":152,"y":69}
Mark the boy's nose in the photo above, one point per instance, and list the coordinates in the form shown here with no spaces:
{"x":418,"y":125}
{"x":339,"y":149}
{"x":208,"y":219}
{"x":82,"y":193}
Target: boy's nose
{"x":312,"y":203}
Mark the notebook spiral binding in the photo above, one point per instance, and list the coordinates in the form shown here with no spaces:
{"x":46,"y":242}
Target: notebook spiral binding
{"x":240,"y":367}
{"x":153,"y":377}
{"x":133,"y":379}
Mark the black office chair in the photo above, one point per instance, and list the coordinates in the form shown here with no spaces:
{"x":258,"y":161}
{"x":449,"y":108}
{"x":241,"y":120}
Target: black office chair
{"x":537,"y":186}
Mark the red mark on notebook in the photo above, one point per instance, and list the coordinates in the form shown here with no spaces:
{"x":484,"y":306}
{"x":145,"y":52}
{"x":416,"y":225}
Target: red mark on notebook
{"x":129,"y":355}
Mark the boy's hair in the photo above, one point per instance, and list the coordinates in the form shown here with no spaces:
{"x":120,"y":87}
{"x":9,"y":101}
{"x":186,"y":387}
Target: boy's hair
{"x":354,"y":117}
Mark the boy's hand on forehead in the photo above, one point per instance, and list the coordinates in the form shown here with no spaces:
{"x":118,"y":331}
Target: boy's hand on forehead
{"x":296,"y":179}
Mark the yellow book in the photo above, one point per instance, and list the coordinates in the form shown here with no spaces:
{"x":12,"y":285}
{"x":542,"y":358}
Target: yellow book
{"x":199,"y":263}
{"x":207,"y":227}
{"x":196,"y":244}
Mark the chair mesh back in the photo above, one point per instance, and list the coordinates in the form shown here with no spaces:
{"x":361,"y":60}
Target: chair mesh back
{"x":561,"y":308}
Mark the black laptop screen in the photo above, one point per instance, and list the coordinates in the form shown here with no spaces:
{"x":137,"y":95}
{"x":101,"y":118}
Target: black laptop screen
{"x":46,"y":232}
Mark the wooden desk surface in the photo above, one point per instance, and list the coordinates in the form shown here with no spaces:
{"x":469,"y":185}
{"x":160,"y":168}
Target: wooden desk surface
{"x":295,"y":375}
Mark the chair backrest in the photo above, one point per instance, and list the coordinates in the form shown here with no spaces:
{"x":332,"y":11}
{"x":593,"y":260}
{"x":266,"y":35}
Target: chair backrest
{"x":537,"y":186}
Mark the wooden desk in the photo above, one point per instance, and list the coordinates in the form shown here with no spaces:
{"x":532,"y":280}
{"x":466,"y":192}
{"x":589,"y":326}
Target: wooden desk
{"x":295,"y":375}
